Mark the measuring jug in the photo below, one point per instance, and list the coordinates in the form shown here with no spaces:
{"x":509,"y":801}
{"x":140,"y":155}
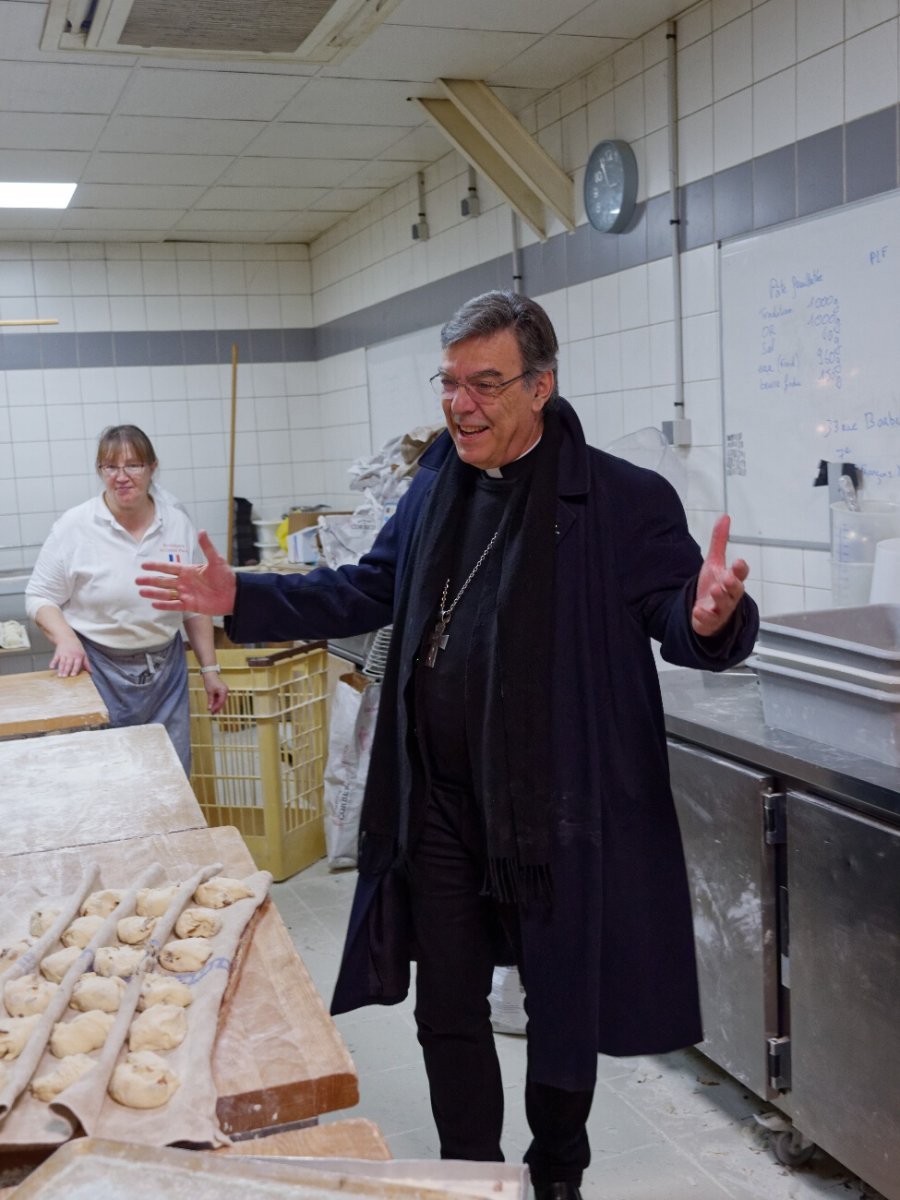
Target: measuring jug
{"x":854,"y":536}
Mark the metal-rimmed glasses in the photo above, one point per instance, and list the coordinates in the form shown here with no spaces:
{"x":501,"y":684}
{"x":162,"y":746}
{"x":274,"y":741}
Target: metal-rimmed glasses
{"x":445,"y":388}
{"x":110,"y":470}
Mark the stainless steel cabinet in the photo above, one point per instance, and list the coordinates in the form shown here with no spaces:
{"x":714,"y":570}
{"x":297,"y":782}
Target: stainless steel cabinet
{"x":797,"y":920}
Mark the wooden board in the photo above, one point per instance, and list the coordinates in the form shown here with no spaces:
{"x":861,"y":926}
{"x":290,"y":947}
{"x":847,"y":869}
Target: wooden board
{"x":41,"y":702}
{"x":354,"y":1138}
{"x":278,"y":1058}
{"x":95,"y":786}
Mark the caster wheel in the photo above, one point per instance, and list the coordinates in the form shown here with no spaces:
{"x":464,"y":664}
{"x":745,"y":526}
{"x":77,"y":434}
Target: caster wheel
{"x":792,"y":1148}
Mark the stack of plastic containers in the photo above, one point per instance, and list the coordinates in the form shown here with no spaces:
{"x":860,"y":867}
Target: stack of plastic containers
{"x":834,"y":676}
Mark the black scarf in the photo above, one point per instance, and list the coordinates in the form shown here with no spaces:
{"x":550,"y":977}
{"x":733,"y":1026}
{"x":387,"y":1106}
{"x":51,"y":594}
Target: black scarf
{"x":511,"y":765}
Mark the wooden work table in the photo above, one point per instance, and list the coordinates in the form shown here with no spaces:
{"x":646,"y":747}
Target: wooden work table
{"x":119,"y":798}
{"x":42,"y":702}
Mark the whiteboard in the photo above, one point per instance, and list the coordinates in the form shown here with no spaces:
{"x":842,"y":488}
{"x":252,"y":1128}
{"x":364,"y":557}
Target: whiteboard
{"x":400,"y":397}
{"x":810,"y":323}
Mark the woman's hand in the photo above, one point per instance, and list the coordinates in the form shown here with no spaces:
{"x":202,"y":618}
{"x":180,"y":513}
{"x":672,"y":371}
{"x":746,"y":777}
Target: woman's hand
{"x":186,"y":587}
{"x":69,"y":658}
{"x":216,"y":691}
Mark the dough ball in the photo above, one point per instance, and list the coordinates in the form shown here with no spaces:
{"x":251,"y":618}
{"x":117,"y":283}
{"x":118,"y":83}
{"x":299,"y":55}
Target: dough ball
{"x":135,"y":930}
{"x":86,"y":1032}
{"x":198,"y":922}
{"x":81,"y":931}
{"x":55,"y":965}
{"x":163,"y":989}
{"x":101,"y":904}
{"x":27,"y":995}
{"x":153,"y":902}
{"x":14,"y":1033}
{"x":162,"y":1027}
{"x":143,"y":1080}
{"x":69,"y":1071}
{"x":187,"y":954}
{"x":118,"y":960}
{"x":96,"y":992}
{"x":41,"y":920}
{"x":220,"y":891}
{"x":9,"y":954}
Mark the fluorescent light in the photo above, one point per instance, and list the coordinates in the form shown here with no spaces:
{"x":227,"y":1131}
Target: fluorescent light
{"x":36,"y":195}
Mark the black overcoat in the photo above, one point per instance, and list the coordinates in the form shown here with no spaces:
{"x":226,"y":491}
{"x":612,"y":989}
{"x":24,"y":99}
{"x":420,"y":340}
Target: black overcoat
{"x":611,"y":967}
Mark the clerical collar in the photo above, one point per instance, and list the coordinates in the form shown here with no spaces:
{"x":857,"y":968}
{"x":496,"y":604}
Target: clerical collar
{"x":508,"y":468}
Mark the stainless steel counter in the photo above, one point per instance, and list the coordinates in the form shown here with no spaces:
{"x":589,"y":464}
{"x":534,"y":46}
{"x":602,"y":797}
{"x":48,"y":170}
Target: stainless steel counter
{"x":724,"y":713}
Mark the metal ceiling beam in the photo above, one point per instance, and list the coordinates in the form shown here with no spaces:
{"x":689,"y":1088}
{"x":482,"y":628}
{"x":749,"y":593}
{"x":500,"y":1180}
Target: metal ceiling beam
{"x":479,"y":152}
{"x":522,"y":152}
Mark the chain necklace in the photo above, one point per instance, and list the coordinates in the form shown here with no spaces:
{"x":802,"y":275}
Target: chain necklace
{"x":437,"y":639}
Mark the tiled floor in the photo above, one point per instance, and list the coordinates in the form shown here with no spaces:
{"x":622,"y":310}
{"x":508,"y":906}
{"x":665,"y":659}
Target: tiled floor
{"x":667,"y":1128}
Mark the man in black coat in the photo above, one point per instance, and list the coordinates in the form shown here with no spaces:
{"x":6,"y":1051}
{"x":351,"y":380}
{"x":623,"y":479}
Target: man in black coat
{"x":517,"y":806}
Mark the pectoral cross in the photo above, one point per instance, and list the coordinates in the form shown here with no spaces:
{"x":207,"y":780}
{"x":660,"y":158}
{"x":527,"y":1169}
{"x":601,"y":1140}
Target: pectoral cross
{"x":437,"y":640}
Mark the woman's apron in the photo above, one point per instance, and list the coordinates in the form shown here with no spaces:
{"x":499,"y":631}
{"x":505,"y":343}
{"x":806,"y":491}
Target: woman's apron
{"x":145,"y":687}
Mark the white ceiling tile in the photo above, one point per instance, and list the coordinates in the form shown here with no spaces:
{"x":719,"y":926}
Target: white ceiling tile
{"x":21,"y":218}
{"x":57,"y":87}
{"x":49,"y":131}
{"x":64,"y":166}
{"x":122,"y":167}
{"x":428,"y":143}
{"x":295,"y":140}
{"x":167,"y":135}
{"x":346,"y":199}
{"x":381,"y":174}
{"x":529,"y":16}
{"x":216,"y":94}
{"x":248,"y":199}
{"x":212,"y":219}
{"x":419,"y":55}
{"x":357,"y":102}
{"x":629,"y":20}
{"x":129,"y":195}
{"x":250,"y":171}
{"x":100,"y":219}
{"x":555,"y":60}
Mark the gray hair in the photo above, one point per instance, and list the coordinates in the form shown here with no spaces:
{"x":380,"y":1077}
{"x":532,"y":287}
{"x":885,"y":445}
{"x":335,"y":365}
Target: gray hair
{"x":492,"y":312}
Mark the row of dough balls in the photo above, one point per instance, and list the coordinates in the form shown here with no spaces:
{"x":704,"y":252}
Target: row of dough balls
{"x":143,"y":1079}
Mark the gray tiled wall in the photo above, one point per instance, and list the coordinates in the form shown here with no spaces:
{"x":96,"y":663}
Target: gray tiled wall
{"x":841,"y":165}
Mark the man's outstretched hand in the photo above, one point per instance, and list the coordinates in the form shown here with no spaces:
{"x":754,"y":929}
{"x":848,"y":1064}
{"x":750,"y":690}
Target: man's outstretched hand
{"x":719,"y":587}
{"x":208,"y":587}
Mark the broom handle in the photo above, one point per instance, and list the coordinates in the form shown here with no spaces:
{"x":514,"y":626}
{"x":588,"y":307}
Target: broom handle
{"x":234,"y":367}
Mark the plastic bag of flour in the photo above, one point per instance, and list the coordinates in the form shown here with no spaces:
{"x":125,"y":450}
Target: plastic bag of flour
{"x":351,"y":726}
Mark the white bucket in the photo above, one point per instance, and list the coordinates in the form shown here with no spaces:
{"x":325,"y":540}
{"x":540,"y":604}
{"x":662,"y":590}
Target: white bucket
{"x":886,"y":573}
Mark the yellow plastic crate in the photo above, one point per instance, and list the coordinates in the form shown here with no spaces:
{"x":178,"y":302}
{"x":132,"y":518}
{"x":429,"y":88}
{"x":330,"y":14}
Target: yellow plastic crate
{"x":259,"y":764}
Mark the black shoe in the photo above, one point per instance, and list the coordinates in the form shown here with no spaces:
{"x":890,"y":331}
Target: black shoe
{"x":557,"y":1191}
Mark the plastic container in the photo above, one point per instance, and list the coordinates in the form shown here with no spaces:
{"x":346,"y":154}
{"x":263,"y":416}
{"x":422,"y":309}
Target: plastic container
{"x":854,"y":537}
{"x":850,"y":718}
{"x":886,"y":575}
{"x":866,"y":637}
{"x":259,"y":764}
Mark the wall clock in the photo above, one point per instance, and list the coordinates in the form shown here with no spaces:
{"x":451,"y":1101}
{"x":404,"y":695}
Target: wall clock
{"x":610,"y":185}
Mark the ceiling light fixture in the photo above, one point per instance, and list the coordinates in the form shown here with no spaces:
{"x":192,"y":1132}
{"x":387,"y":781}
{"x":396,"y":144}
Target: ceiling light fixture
{"x":36,"y":195}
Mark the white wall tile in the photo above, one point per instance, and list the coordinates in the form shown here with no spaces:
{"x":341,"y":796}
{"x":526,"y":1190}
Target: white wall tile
{"x":774,"y":111}
{"x":634,"y":303}
{"x":24,"y":387}
{"x":820,"y":92}
{"x":871,"y":71}
{"x":820,"y":24}
{"x":865,"y":14}
{"x":701,"y":347}
{"x":695,"y":76}
{"x":698,"y":281}
{"x":774,"y":37}
{"x":695,"y":146}
{"x":732,"y":57}
{"x":733,"y":130}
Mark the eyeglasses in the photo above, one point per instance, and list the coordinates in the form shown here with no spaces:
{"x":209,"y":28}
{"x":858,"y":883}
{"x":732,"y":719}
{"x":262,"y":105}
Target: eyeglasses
{"x":445,"y":387}
{"x":110,"y":470}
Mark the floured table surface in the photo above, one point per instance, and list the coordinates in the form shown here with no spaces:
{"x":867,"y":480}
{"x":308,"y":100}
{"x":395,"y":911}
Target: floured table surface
{"x":41,"y":702}
{"x":278,"y":1057}
{"x":96,"y":786}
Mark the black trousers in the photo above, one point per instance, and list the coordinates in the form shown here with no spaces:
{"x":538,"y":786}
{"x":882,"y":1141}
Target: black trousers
{"x":457,"y":931}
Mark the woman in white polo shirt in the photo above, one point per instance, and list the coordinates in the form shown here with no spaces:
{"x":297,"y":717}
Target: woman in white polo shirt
{"x":82,"y":594}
